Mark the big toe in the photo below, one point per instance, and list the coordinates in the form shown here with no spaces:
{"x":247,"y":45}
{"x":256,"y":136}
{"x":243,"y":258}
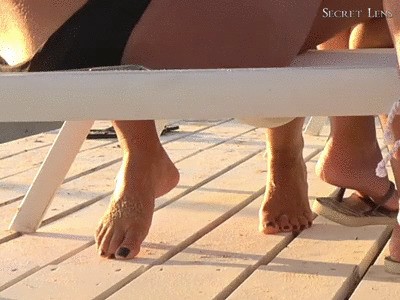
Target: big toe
{"x":268,"y":227}
{"x":130,"y":246}
{"x":284,"y":224}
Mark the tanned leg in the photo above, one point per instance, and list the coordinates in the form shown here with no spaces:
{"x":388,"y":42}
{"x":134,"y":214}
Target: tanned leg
{"x":285,"y":206}
{"x":394,"y":25}
{"x":146,"y":173}
{"x":352,"y":152}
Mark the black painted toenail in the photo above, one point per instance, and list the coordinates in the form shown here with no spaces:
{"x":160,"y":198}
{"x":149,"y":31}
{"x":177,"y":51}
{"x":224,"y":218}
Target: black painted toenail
{"x":123,"y":252}
{"x":302,"y":227}
{"x":270,"y":224}
{"x":286,"y":227}
{"x":295,"y":227}
{"x":309,"y":224}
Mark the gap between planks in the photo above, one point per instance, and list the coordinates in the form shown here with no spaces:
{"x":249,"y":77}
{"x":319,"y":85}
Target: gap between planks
{"x":336,"y":259}
{"x":246,"y":132}
{"x":87,"y":146}
{"x":258,"y":150}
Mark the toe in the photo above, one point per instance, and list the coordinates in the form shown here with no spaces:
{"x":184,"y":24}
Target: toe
{"x":284,"y":224}
{"x":115,"y":242}
{"x":309,"y":217}
{"x":99,"y":233}
{"x":269,"y":227}
{"x":98,"y":230}
{"x":129,"y":247}
{"x":295,"y":224}
{"x":303,"y":222}
{"x":105,"y":242}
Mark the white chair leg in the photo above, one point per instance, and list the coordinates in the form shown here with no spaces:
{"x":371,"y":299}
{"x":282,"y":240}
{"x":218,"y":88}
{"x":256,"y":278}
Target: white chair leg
{"x":315,"y":125}
{"x":160,"y":124}
{"x":50,"y":176}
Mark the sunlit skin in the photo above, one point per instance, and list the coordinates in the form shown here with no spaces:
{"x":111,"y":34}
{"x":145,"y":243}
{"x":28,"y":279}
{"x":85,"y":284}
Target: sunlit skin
{"x":195,"y":34}
{"x":352,"y":152}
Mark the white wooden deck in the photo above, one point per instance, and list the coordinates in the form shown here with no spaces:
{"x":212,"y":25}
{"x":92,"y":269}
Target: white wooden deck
{"x":204,"y":242}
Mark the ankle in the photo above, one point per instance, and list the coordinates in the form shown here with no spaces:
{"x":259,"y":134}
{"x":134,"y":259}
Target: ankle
{"x":358,"y":141}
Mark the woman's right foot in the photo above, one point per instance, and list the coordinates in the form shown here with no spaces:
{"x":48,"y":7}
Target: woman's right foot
{"x":142,"y":178}
{"x":394,"y":246}
{"x":351,"y":166}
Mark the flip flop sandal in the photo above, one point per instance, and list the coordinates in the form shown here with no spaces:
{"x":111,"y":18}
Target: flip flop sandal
{"x":169,"y":128}
{"x":391,"y":265}
{"x":107,"y":133}
{"x":355,"y":210}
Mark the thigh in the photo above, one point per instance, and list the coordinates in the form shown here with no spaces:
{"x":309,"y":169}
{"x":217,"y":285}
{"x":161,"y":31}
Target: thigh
{"x":371,"y":34}
{"x":334,"y":16}
{"x":217,"y":34}
{"x":26,"y":24}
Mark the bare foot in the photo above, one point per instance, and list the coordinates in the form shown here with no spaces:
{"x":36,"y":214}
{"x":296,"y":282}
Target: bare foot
{"x":353,"y":166}
{"x":126,"y":223}
{"x":285,"y":207}
{"x":394,"y":246}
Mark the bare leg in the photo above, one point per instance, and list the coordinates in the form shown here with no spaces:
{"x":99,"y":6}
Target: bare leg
{"x":146,"y":173}
{"x":394,"y":248}
{"x":394,"y":25}
{"x":350,"y":158}
{"x":285,"y":206}
{"x":346,"y":155}
{"x":352,"y":151}
{"x":127,"y":222}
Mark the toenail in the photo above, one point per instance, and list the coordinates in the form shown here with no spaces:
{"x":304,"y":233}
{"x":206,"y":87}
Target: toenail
{"x":295,"y":227}
{"x":302,"y":227}
{"x":102,"y":253}
{"x":286,"y":227}
{"x":123,"y":252}
{"x":309,"y":224}
{"x":270,"y":224}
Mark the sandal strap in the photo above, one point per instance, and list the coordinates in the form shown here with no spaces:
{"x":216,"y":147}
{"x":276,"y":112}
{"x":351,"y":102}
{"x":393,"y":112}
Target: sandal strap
{"x":375,"y":205}
{"x":339,"y":195}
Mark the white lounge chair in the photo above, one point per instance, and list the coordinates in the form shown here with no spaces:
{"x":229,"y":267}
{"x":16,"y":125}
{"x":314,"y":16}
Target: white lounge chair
{"x":362,"y":82}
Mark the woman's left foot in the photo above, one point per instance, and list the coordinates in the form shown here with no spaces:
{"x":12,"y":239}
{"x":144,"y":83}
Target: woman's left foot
{"x":126,"y":223}
{"x":285,"y":207}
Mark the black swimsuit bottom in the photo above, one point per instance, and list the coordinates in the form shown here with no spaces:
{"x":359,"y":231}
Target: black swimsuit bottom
{"x":95,"y":36}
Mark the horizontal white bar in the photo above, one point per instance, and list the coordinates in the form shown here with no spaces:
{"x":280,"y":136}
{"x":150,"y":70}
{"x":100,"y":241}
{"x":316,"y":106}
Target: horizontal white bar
{"x":344,"y":83}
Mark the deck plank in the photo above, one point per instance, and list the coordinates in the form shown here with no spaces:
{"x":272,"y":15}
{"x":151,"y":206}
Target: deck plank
{"x":177,"y":150}
{"x":328,"y":255}
{"x":199,"y":171}
{"x":204,"y":241}
{"x":338,"y":258}
{"x":201,"y":207}
{"x":92,"y":153}
{"x":235,"y":180}
{"x":377,"y":283}
{"x":226,"y":254}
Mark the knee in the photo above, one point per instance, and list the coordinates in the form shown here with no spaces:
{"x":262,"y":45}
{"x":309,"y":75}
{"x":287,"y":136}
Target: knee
{"x":372,"y":34}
